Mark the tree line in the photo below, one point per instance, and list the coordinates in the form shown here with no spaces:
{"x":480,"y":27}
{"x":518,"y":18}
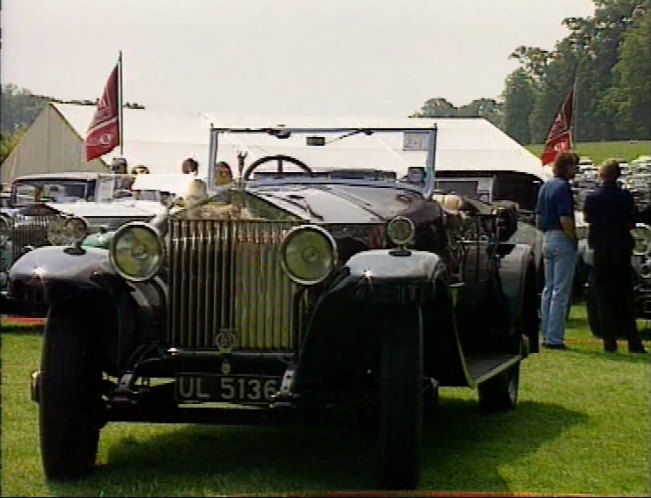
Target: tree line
{"x":607,"y":59}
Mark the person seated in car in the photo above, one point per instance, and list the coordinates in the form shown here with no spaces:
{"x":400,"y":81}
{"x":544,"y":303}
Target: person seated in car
{"x":223,"y":174}
{"x":452,"y":204}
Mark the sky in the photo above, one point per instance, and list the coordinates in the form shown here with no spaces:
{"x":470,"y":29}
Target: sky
{"x":305,"y":57}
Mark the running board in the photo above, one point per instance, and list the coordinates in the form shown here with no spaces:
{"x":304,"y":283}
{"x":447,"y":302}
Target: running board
{"x":482,"y":368}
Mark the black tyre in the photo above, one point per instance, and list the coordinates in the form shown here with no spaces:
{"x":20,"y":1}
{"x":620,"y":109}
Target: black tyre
{"x":70,"y":398}
{"x":500,"y":393}
{"x":401,"y":401}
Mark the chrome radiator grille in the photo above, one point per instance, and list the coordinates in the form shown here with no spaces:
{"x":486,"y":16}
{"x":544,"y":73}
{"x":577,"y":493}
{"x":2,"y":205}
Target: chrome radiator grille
{"x":225,"y":277}
{"x":28,"y":231}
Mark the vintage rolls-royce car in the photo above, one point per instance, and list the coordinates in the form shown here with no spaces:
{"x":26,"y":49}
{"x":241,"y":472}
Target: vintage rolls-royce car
{"x":281,"y":297}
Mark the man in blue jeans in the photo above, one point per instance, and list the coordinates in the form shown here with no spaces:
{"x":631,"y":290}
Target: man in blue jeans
{"x":555,"y":214}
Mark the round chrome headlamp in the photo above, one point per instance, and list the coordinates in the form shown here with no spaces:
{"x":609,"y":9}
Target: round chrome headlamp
{"x":67,"y":231}
{"x":76,"y":229}
{"x":308,"y":254}
{"x":401,"y":230}
{"x":136,"y":251}
{"x":5,"y":230}
{"x":55,"y":234}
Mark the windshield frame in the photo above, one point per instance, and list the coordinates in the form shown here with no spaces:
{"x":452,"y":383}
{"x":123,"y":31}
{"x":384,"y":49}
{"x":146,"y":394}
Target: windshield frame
{"x":280,"y":132}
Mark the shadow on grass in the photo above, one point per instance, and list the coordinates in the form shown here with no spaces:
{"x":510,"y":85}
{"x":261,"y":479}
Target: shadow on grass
{"x":462,"y":450}
{"x":621,"y":356}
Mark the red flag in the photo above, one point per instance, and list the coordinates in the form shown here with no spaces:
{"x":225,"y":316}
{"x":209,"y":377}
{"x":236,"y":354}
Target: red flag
{"x":104,"y":131}
{"x":559,"y":138}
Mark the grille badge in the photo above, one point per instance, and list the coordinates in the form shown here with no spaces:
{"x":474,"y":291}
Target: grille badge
{"x":225,"y":340}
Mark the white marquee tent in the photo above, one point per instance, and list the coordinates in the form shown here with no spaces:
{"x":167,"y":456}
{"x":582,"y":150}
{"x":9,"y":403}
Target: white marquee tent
{"x":161,"y":140}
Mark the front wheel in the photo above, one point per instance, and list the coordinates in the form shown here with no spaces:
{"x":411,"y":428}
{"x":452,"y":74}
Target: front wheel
{"x":500,"y":393}
{"x":401,"y":401}
{"x":69,"y":398}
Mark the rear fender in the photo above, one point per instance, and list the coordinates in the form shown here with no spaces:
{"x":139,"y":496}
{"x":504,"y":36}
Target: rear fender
{"x":518,"y":278}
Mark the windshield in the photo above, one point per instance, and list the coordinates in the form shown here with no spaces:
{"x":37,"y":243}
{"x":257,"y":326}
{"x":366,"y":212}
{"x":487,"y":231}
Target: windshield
{"x":25,"y":192}
{"x":403,"y":154}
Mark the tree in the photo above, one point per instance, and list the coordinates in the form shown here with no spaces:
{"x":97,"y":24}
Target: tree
{"x":489,"y":109}
{"x":436,"y":108}
{"x":18,"y":107}
{"x":629,"y":99}
{"x":518,"y":102}
{"x":534,"y":61}
{"x":588,"y":56}
{"x":9,"y":140}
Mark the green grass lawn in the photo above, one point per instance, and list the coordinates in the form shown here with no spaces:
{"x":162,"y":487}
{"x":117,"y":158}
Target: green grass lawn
{"x":600,"y":151}
{"x":581,"y":427}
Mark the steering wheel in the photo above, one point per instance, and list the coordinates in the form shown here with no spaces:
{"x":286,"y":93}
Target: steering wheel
{"x":280,"y":158}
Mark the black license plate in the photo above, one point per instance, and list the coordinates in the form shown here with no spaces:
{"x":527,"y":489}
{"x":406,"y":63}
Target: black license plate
{"x":228,"y":388}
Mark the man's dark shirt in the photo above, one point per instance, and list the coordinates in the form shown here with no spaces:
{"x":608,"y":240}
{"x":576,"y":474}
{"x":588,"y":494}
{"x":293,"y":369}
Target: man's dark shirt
{"x":610,"y":211}
{"x":554,"y":200}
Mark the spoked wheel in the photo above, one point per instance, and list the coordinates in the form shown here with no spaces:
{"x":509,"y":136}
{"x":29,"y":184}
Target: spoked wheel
{"x":70,"y":398}
{"x":500,"y":393}
{"x":401,"y":401}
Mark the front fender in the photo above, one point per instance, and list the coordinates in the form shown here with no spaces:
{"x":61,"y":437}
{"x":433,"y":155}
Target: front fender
{"x":386,"y":276}
{"x":343,"y":334}
{"x":48,"y":275}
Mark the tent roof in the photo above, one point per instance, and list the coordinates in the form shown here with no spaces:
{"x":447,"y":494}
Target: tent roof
{"x":161,"y":140}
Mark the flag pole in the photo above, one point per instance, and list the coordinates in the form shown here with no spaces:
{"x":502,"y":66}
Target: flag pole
{"x":575,"y":109}
{"x":120,"y":104}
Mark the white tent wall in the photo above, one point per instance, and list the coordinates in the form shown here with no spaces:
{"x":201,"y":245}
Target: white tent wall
{"x":463,"y":144}
{"x":50,"y":145}
{"x":162,"y":140}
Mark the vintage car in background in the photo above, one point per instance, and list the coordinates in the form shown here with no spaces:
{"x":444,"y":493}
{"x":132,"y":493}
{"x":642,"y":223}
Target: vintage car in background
{"x":641,"y":269}
{"x":40,"y":204}
{"x":294,"y":293}
{"x":68,"y":187}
